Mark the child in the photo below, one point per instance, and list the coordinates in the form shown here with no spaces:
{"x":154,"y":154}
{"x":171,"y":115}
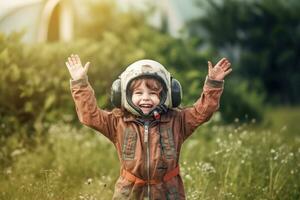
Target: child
{"x":146,"y":129}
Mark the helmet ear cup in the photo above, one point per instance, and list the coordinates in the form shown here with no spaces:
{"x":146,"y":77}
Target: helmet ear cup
{"x":176,"y":93}
{"x":115,"y":96}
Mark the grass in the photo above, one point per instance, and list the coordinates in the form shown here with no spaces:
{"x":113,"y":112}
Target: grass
{"x":283,"y":118}
{"x":237,"y":161}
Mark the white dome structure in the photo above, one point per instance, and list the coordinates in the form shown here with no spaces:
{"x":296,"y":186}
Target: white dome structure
{"x":52,"y":20}
{"x":41,"y":20}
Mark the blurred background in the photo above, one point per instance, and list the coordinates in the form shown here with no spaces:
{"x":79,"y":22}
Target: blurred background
{"x":45,"y":152}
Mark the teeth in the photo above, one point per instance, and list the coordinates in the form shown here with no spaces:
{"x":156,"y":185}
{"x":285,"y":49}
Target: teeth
{"x":146,"y":106}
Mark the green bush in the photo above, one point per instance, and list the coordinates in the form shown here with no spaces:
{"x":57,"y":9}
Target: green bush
{"x":70,"y":164}
{"x":35,"y":82}
{"x":262,"y":38}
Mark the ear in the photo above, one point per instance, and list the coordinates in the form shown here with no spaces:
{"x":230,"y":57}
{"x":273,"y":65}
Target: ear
{"x":176,"y":93}
{"x":115,"y":95}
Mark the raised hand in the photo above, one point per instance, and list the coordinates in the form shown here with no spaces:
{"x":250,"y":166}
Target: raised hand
{"x":75,"y":67}
{"x":220,"y":70}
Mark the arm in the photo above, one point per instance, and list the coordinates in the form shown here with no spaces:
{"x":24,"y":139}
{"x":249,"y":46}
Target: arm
{"x":209,"y":100}
{"x":86,"y":105}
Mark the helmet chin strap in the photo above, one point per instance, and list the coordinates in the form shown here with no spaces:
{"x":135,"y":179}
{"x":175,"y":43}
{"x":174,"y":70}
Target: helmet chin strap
{"x":158,"y":111}
{"x":156,"y":115}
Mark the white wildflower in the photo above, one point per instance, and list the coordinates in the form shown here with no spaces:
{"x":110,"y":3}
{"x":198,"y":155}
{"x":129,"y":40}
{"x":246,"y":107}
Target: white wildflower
{"x":188,"y":177}
{"x":273,"y":151}
{"x":89,"y":181}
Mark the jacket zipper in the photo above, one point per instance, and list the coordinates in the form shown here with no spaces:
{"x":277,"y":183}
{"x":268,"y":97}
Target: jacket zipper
{"x":146,"y":140}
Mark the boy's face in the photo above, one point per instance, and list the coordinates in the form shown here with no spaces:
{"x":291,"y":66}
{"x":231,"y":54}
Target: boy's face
{"x":145,"y":98}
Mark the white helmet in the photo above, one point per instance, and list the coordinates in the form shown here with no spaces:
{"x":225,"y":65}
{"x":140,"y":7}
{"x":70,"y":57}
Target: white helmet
{"x":170,"y":95}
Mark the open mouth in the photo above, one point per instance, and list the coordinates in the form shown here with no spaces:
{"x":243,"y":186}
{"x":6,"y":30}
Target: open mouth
{"x":146,"y":108}
{"x":146,"y":105}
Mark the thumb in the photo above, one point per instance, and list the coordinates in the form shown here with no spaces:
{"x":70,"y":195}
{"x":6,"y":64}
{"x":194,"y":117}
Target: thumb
{"x":209,"y":66}
{"x":86,"y":67}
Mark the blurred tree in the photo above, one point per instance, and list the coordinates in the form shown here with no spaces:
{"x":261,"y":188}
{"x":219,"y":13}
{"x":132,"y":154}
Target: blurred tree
{"x":263,"y":40}
{"x":179,"y":55}
{"x":35,"y":81}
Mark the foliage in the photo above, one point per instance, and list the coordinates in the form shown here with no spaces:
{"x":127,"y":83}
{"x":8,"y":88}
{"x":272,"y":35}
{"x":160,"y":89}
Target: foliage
{"x":180,"y":56}
{"x":35,"y":82}
{"x":261,"y":37}
{"x":240,"y":103}
{"x":62,"y":168}
{"x":45,"y":155}
{"x":241,"y":162}
{"x":217,"y":162}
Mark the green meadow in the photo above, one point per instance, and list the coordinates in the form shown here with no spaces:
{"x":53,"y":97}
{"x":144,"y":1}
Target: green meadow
{"x":236,"y":161}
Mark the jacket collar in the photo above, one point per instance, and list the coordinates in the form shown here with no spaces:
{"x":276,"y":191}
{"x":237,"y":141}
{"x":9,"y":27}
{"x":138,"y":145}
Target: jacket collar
{"x":133,"y":118}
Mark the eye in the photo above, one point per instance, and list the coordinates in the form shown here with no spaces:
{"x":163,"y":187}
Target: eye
{"x":153,"y":93}
{"x":137,"y":92}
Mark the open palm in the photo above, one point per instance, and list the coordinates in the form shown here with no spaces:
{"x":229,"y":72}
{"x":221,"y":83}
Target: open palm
{"x":75,"y":67}
{"x":220,"y":70}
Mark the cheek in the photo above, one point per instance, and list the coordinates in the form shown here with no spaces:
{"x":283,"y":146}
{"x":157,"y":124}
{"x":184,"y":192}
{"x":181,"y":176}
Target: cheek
{"x":156,"y":100}
{"x":134,"y":99}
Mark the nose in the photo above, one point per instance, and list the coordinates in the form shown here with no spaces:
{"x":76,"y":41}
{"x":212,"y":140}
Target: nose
{"x":145,"y":96}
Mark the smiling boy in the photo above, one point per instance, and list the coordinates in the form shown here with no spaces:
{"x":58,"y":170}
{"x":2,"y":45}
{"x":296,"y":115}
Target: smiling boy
{"x":149,"y":134}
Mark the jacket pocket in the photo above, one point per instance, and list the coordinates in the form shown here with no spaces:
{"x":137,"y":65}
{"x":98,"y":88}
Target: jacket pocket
{"x":167,"y":142}
{"x":129,"y":144}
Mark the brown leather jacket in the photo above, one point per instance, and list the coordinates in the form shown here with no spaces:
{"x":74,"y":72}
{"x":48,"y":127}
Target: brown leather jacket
{"x":148,"y":150}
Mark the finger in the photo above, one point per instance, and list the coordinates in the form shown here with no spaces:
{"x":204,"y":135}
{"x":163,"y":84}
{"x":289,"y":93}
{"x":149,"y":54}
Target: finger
{"x":68,"y":65}
{"x":220,"y":63}
{"x":77,"y":59}
{"x":71,"y":61}
{"x":210,"y":66}
{"x":86,"y":67}
{"x":226,"y":67}
{"x":225,"y":63}
{"x":227,"y":72}
{"x":74,"y":59}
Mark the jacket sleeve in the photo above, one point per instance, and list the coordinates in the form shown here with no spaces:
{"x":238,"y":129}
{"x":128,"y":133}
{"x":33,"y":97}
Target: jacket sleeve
{"x":204,"y":107}
{"x":87,"y":110}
